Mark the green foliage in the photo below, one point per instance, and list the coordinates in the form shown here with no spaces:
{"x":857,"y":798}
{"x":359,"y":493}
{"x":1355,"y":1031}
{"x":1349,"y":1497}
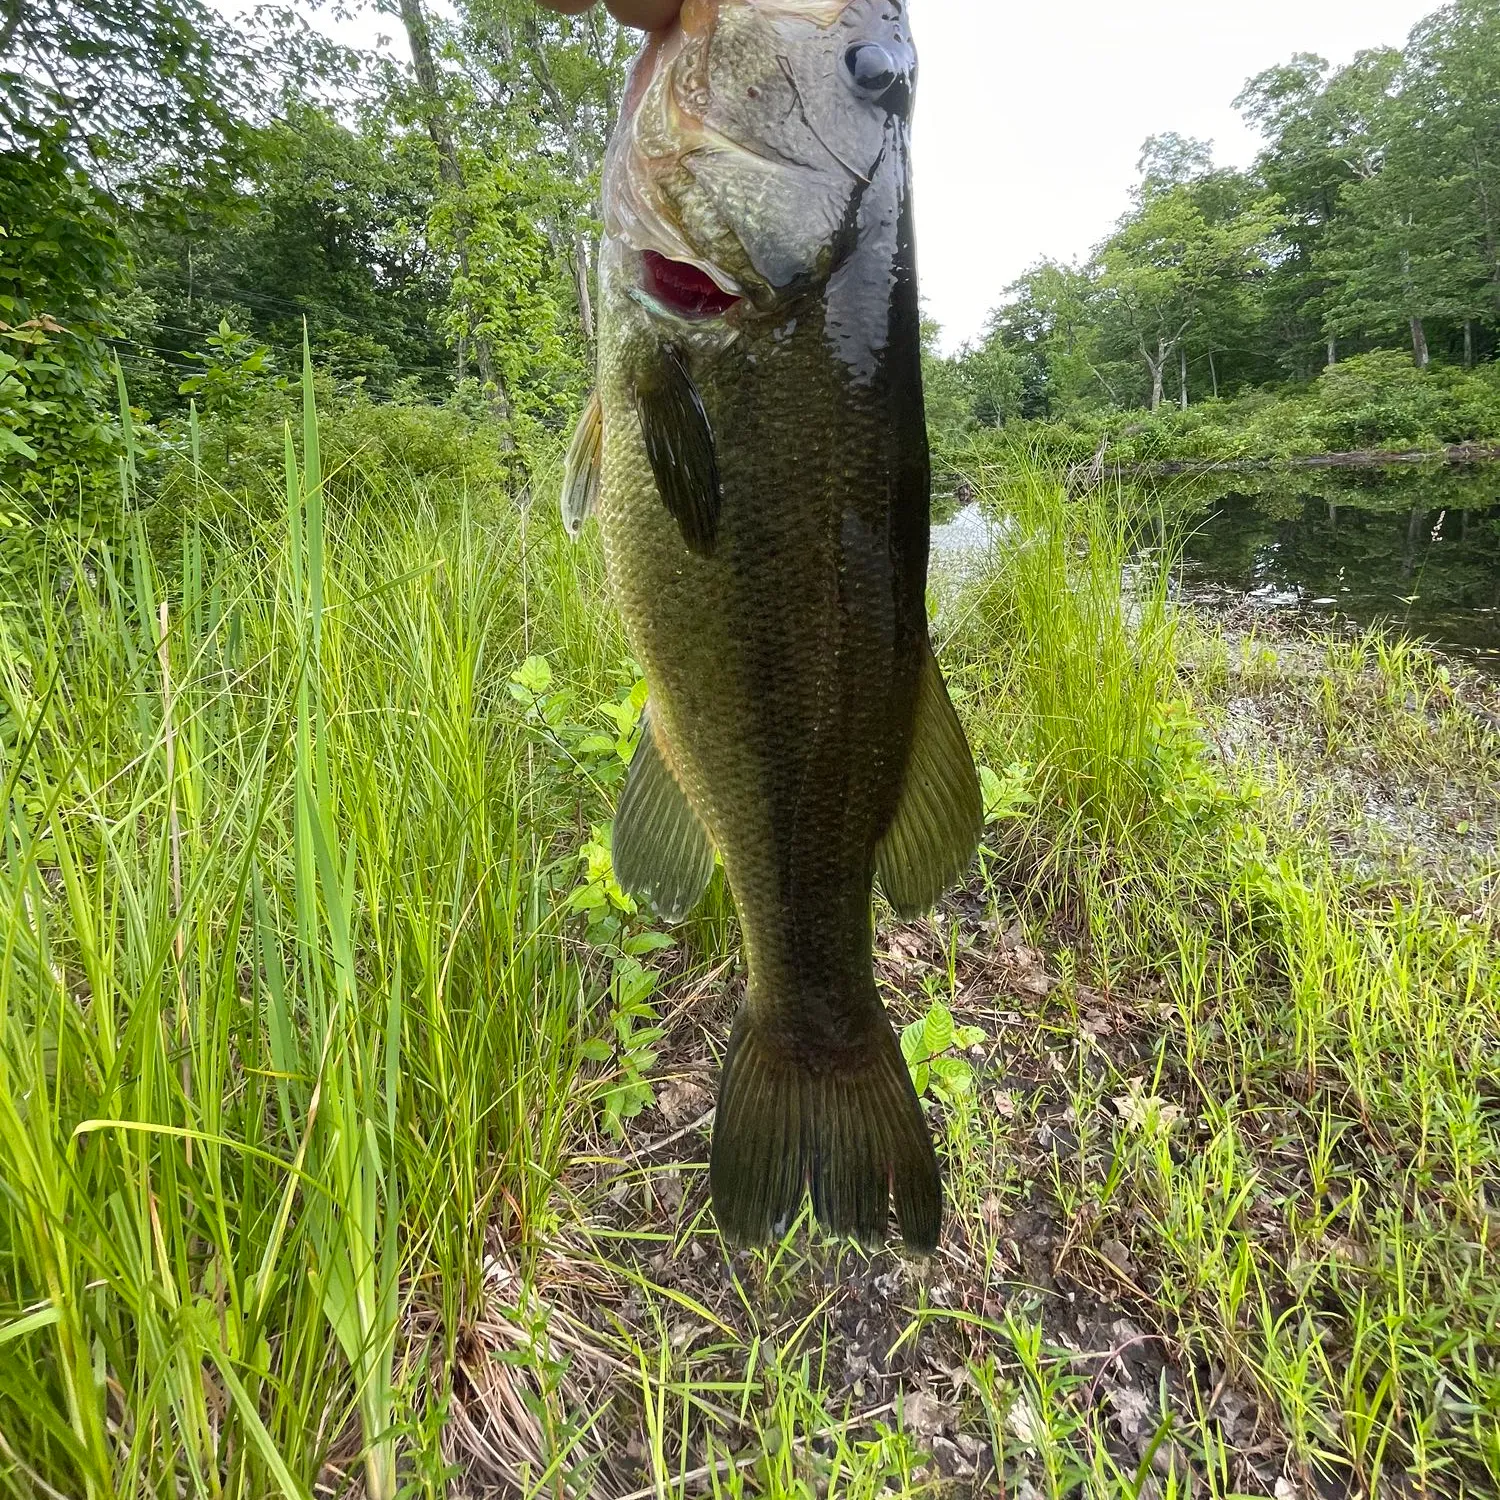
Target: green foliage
{"x":933,"y":1048}
{"x":97,"y":80}
{"x":60,"y":256}
{"x":634,"y":1033}
{"x":514,"y":296}
{"x":615,"y":928}
{"x":233,"y":373}
{"x":1005,"y":796}
{"x":327,"y":224}
{"x":1368,"y":219}
{"x":1378,"y":401}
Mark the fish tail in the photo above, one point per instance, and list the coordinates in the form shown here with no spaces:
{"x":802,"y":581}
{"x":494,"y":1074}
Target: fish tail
{"x":852,"y":1135}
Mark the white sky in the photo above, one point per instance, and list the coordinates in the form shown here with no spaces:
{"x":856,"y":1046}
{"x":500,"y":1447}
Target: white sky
{"x":1030,"y":117}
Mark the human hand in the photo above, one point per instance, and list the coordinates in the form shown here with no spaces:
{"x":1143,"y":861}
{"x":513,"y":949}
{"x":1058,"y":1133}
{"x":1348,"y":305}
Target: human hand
{"x":649,"y":15}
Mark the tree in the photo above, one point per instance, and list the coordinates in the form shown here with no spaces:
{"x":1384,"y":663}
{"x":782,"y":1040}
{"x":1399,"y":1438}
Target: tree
{"x":1048,"y":320}
{"x":329,"y":224}
{"x":1451,"y":103}
{"x":548,"y":88}
{"x":135,"y":92}
{"x":1394,"y":259}
{"x":1192,"y":243}
{"x":60,"y":257}
{"x":434,"y":111}
{"x":1325,"y":131}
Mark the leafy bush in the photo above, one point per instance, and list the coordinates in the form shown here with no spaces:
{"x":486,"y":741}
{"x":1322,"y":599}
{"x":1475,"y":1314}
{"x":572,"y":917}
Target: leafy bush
{"x":1370,"y":401}
{"x":59,"y":255}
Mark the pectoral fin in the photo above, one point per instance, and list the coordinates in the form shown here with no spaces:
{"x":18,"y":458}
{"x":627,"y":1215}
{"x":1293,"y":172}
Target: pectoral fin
{"x":940,"y":816}
{"x":680,"y":445}
{"x":662,"y":852}
{"x":580,"y":490}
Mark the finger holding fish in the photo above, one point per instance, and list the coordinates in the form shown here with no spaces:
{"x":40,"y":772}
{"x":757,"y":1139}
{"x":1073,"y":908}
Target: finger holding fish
{"x":648,"y":15}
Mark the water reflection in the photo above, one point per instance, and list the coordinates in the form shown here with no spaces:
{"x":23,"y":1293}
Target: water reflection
{"x":1414,"y":547}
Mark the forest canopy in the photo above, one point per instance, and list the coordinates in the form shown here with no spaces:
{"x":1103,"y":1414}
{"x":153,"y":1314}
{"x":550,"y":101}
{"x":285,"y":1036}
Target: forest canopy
{"x":180,"y":193}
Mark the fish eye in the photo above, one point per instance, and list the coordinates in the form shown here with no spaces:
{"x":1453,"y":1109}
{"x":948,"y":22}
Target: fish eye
{"x":871,"y":68}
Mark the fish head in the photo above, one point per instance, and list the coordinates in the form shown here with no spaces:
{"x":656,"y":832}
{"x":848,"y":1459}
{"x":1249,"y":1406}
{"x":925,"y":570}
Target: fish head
{"x":751,"y":134}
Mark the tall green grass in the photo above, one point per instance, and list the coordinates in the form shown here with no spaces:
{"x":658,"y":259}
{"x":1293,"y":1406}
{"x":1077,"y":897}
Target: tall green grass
{"x":311,"y":986}
{"x":1068,"y":640}
{"x":290,"y":1013}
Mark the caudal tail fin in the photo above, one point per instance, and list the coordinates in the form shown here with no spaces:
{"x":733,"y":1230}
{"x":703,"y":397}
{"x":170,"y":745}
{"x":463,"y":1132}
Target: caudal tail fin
{"x":852,"y":1135}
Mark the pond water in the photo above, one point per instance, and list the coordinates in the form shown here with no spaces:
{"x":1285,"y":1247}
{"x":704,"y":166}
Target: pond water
{"x":1415,"y":547}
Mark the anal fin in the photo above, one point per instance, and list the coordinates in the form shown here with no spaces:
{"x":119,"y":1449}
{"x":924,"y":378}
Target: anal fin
{"x":680,"y":446}
{"x":581,"y":471}
{"x":940,"y":816}
{"x":661,"y":850}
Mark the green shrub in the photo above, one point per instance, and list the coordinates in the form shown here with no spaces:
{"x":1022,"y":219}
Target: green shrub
{"x":1377,"y":401}
{"x":60,"y":254}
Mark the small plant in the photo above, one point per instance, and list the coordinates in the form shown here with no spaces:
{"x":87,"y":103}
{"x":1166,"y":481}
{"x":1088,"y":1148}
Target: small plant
{"x":1005,"y":795}
{"x":616,"y":928}
{"x":635,"y":1031}
{"x":933,"y":1049}
{"x":1181,"y":776}
{"x":231,"y":373}
{"x":597,"y":758}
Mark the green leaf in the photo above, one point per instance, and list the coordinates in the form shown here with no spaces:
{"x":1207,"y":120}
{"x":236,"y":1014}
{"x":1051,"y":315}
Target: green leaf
{"x":952,"y":1075}
{"x":534,"y":675}
{"x":649,"y":942}
{"x":914,"y":1041}
{"x":587,"y":898}
{"x":938,"y":1029}
{"x":596,"y":1051}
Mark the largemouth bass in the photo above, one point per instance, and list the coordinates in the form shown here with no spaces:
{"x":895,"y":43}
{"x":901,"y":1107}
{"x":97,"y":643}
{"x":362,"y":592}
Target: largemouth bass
{"x":756,"y":455}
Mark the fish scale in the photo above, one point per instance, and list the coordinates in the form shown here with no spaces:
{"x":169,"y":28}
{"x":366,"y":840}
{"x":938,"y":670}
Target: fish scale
{"x":763,"y":492}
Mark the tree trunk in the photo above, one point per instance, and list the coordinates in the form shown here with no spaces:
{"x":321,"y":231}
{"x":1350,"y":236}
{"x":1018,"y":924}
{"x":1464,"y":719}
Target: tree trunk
{"x":1157,"y":367}
{"x":1419,"y":343}
{"x":1333,"y":351}
{"x":1182,"y":386}
{"x":451,"y":172}
{"x":1468,"y":343}
{"x":1213,"y":373}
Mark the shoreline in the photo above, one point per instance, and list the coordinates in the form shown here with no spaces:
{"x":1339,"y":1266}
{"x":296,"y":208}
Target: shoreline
{"x":1363,"y":458}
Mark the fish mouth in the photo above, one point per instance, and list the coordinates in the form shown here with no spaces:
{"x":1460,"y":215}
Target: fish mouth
{"x":684,"y":290}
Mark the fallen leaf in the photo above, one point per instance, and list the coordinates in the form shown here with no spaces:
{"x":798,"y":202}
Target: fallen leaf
{"x":1132,"y":1411}
{"x":1036,"y":983}
{"x":923,"y":1414}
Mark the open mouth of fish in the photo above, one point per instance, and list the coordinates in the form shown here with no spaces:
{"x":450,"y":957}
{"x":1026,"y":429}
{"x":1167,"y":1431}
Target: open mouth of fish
{"x":683,"y":289}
